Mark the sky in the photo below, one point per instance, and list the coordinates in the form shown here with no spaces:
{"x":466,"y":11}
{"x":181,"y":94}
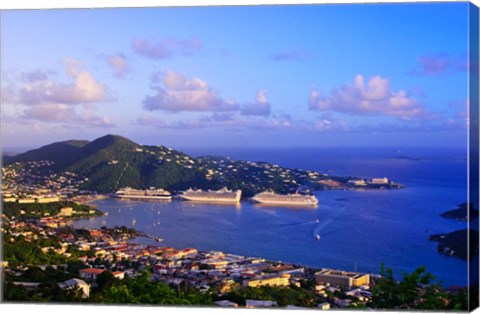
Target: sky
{"x":341,"y":75}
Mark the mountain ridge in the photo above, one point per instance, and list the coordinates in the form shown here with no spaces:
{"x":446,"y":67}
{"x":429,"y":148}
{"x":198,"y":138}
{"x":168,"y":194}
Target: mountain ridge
{"x":111,"y":162}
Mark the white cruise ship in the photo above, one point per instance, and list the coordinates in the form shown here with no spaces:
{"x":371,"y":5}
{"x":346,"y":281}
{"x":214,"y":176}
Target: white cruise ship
{"x":223,"y":195}
{"x":150,"y":194}
{"x":271,"y":198}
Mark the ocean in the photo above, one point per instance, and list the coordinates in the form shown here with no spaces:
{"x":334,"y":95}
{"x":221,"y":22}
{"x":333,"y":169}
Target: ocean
{"x":359,"y":230}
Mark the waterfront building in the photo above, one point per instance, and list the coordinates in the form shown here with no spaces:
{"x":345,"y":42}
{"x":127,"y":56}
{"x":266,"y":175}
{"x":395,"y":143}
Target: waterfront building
{"x":360,"y":182}
{"x":66,"y":211}
{"x":274,"y":280}
{"x":380,"y":181}
{"x":26,"y":200}
{"x":342,"y":278}
{"x":47,"y":199}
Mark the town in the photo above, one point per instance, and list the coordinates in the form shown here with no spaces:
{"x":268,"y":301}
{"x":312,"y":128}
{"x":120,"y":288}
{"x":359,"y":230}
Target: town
{"x":81,"y":256}
{"x":46,"y":259}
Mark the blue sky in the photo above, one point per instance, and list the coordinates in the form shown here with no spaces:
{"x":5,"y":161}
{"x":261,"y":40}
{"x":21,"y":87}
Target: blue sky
{"x":297,"y":75}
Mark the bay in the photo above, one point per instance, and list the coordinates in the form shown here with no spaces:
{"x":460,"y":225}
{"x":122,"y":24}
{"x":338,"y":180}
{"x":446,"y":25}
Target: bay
{"x":359,"y":230}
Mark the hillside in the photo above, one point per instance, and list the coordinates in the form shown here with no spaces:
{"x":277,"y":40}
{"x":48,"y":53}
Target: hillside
{"x":61,"y":153}
{"x":112,"y":162}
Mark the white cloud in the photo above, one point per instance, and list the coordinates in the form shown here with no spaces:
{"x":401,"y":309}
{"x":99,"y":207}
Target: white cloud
{"x":176,"y":93}
{"x":374,"y":97}
{"x":119,"y":64}
{"x":65,"y":114}
{"x":39,"y":96}
{"x":261,"y":106}
{"x":39,"y":87}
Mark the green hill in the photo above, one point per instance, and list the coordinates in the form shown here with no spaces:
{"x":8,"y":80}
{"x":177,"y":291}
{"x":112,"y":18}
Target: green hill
{"x":112,"y":162}
{"x":62,"y":153}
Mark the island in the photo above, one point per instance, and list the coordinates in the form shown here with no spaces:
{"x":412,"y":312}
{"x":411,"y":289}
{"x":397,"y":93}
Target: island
{"x":456,"y":243}
{"x":462,"y":212}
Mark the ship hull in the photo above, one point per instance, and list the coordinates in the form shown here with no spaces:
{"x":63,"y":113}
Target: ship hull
{"x":144,"y":197}
{"x":285,"y":203}
{"x":210,"y":200}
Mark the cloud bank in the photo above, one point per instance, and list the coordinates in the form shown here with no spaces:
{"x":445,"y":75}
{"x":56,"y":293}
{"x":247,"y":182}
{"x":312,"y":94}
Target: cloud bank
{"x":261,"y":106}
{"x":39,"y":96}
{"x":372,"y":97}
{"x":174,"y":92}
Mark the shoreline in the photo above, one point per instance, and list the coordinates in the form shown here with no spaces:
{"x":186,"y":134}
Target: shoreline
{"x":88,"y":199}
{"x":329,"y":203}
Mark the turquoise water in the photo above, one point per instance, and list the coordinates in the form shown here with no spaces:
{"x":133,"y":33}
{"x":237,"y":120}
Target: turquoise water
{"x":358,"y":229}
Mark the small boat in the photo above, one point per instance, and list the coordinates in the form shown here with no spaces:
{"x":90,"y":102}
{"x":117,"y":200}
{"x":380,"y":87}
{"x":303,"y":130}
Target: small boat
{"x":318,"y":237}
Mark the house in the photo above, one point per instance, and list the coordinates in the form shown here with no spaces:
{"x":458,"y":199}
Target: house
{"x":324,"y":306}
{"x":226,"y":303}
{"x":252,"y":304}
{"x":273,"y":280}
{"x":119,"y":274}
{"x":66,"y":211}
{"x":72,"y":283}
{"x":90,"y":274}
{"x":342,"y":278}
{"x":380,"y":181}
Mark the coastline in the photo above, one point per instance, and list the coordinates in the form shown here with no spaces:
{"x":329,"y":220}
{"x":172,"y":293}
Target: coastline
{"x":88,"y":199}
{"x":247,"y":229}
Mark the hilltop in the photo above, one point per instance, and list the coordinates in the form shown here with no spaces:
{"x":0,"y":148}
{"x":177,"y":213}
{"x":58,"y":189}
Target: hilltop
{"x":112,"y":162}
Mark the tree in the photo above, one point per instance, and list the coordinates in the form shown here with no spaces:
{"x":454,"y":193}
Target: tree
{"x":105,"y":280}
{"x":415,"y":291}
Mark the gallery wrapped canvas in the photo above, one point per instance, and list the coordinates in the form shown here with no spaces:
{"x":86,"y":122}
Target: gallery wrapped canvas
{"x":282,"y":156}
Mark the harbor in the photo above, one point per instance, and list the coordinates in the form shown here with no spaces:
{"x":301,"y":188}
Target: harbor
{"x":348,"y":227}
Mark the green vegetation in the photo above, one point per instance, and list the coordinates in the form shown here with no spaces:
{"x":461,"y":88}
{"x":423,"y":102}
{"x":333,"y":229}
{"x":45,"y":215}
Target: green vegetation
{"x":61,"y":153}
{"x":17,"y":251}
{"x":415,"y":291}
{"x":141,"y":290}
{"x":38,"y":210}
{"x":284,"y":296}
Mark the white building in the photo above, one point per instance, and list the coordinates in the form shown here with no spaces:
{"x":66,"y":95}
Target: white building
{"x":72,"y":283}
